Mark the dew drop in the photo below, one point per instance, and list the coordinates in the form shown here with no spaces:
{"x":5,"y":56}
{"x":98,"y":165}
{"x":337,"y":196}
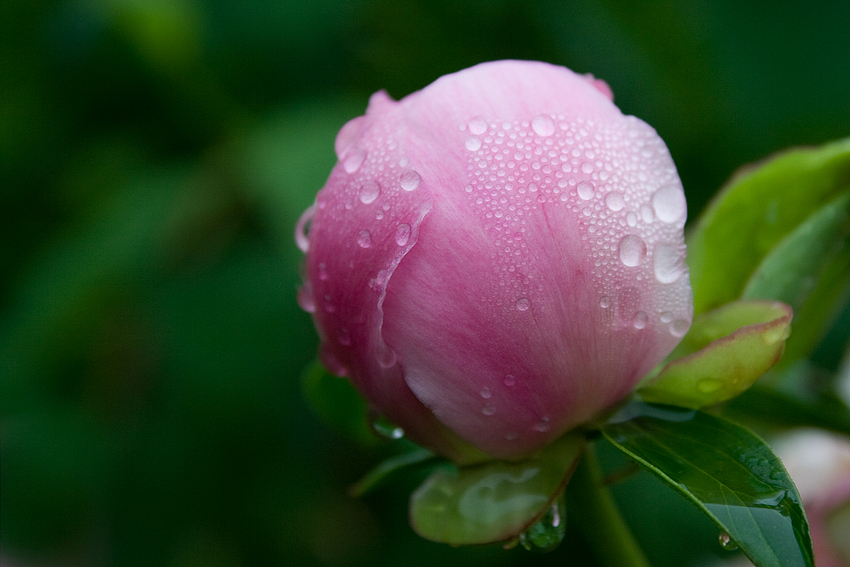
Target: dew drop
{"x":543,"y":125}
{"x":369,"y":191}
{"x":543,"y":425}
{"x":680,"y":327}
{"x":509,"y":381}
{"x":726,"y":542}
{"x":587,"y":167}
{"x":306,"y":300}
{"x":586,"y":190}
{"x":615,"y":201}
{"x":485,"y":393}
{"x":522,"y":304}
{"x":384,"y":428}
{"x":402,"y":234}
{"x":646,"y":214}
{"x":489,"y":409}
{"x":386,"y":356}
{"x":409,"y":180}
{"x":667,"y":263}
{"x":666,"y":317}
{"x":605,"y":302}
{"x":472,"y":143}
{"x":669,"y":203}
{"x":323,"y":271}
{"x":631,"y":218}
{"x":354,"y":160}
{"x":477,"y":125}
{"x":632,"y":250}
{"x":640,"y":320}
{"x":364,"y":239}
{"x":302,"y":228}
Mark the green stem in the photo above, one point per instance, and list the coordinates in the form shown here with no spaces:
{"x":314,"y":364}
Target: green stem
{"x":599,"y":519}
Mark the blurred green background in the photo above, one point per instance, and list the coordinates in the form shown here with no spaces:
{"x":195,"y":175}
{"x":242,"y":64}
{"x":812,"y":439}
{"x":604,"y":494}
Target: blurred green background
{"x":154,"y":157}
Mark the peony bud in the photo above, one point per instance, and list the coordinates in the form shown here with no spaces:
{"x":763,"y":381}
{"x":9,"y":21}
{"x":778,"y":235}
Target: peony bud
{"x":497,"y":258}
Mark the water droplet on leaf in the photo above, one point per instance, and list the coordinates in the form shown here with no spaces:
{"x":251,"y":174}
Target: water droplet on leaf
{"x":546,"y":534}
{"x":384,"y":428}
{"x":726,"y":542}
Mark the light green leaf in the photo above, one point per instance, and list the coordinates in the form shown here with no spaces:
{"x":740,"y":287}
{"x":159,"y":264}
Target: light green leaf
{"x":495,"y":501}
{"x":755,"y":212}
{"x":727,"y":472}
{"x":725,"y":351}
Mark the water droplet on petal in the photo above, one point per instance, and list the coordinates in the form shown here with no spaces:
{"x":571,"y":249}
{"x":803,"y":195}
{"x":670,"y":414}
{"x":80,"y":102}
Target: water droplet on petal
{"x":669,"y":203}
{"x":472,"y":143}
{"x":489,"y":409}
{"x":668,"y":263}
{"x":409,"y":180}
{"x":386,"y":356}
{"x":323,"y":271}
{"x":587,"y":167}
{"x":543,"y":125}
{"x":647,"y":214}
{"x":509,"y":380}
{"x":631,"y":219}
{"x":402,"y":234}
{"x":666,"y":317}
{"x":369,"y":191}
{"x":632,"y":250}
{"x":485,"y":393}
{"x":477,"y":125}
{"x":354,"y":160}
{"x":306,"y":300}
{"x":364,"y":239}
{"x":586,"y":190}
{"x":302,"y":228}
{"x":726,"y":542}
{"x":523,"y":304}
{"x":543,"y":425}
{"x":605,"y":302}
{"x":640,"y":320}
{"x":615,"y":201}
{"x":680,"y":327}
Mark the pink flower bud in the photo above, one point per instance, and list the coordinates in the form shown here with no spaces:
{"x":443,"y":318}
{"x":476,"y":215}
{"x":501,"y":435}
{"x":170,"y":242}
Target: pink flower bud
{"x":498,"y":257}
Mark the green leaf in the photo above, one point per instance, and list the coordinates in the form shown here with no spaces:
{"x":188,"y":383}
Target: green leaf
{"x":495,"y":501}
{"x":725,"y":351}
{"x":728,"y":472}
{"x":755,"y":212}
{"x":390,"y":466}
{"x":336,"y":401}
{"x":789,"y":271}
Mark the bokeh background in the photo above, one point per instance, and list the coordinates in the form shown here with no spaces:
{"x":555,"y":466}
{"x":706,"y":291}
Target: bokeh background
{"x":154,"y":157}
